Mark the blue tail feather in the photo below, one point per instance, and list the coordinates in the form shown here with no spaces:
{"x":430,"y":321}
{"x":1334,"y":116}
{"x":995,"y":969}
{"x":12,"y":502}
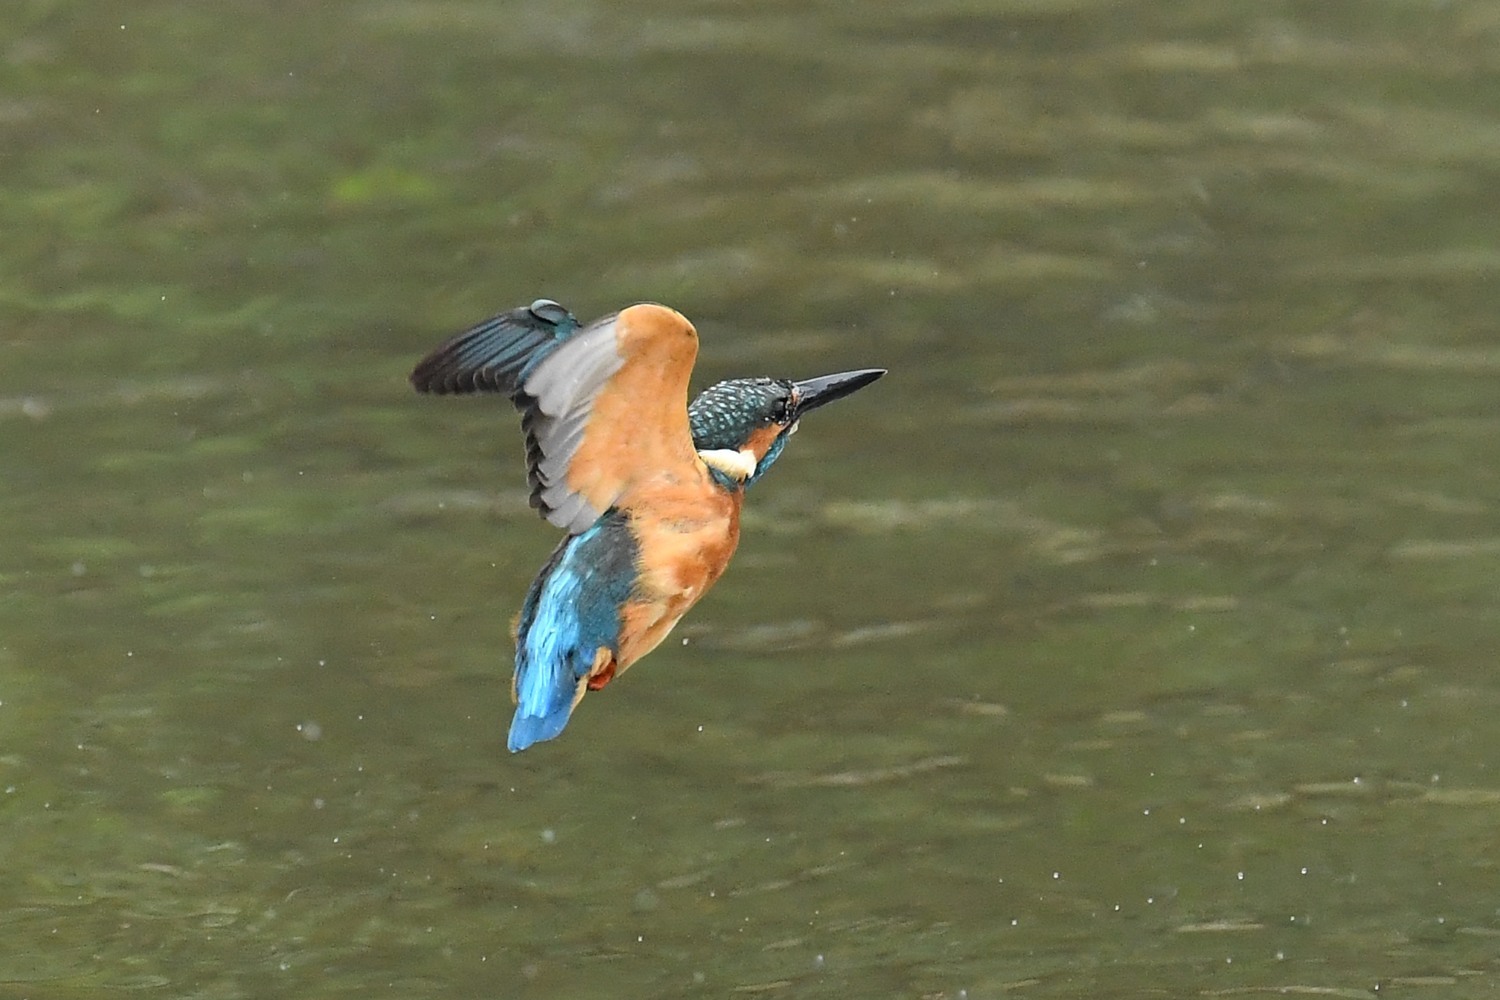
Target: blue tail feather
{"x":571,"y":612}
{"x":528,"y":729}
{"x":549,"y":667}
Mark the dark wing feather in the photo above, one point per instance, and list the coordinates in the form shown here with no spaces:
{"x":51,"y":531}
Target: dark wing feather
{"x":498,"y":354}
{"x":551,"y":370}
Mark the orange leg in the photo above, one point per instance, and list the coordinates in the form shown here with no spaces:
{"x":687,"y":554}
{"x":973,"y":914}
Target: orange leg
{"x":603,"y":670}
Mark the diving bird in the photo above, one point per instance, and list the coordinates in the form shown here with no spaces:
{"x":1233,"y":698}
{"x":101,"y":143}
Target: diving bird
{"x":648,"y":488}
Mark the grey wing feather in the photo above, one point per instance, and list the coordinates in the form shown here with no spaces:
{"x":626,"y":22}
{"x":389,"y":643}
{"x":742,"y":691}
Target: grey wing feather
{"x":552,"y":371}
{"x":574,"y":374}
{"x":563,"y":441}
{"x":558,"y":396}
{"x":568,"y":511}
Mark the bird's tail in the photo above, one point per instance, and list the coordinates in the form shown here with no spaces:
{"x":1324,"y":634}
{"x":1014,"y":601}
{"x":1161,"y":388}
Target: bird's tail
{"x":547,"y":692}
{"x":545,"y":696}
{"x":528,"y":729}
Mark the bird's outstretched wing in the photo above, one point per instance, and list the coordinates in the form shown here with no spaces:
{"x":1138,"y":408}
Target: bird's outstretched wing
{"x":603,"y":405}
{"x":497,"y":354}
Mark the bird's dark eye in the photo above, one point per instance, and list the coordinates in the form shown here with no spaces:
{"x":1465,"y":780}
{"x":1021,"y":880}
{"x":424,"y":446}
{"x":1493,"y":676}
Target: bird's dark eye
{"x":780,"y":412}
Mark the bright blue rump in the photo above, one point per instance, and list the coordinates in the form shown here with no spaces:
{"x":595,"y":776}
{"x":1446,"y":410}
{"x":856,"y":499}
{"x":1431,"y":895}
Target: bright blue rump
{"x":571,"y":611}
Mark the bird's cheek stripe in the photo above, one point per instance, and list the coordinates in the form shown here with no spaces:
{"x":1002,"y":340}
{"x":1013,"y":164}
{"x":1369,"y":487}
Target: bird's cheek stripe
{"x":760,"y":440}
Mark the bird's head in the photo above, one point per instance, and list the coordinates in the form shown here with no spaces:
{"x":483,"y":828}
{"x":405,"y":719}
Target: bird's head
{"x":740,"y":426}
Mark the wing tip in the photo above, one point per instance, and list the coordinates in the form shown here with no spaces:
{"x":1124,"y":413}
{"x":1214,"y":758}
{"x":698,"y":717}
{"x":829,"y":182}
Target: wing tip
{"x":494,"y":354}
{"x":439,"y":375}
{"x":425,"y":378}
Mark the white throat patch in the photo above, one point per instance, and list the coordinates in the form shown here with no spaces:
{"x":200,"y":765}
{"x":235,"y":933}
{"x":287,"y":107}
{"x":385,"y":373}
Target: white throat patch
{"x":737,"y":465}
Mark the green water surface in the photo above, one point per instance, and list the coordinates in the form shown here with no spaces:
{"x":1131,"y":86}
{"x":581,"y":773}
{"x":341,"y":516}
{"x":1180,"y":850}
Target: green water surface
{"x":1135,"y":637}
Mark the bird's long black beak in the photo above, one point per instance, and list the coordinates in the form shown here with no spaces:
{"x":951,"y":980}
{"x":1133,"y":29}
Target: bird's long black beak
{"x":814,"y":392}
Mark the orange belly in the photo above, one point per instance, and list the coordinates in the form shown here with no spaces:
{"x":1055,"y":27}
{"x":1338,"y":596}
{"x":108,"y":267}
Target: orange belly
{"x":686,"y":533}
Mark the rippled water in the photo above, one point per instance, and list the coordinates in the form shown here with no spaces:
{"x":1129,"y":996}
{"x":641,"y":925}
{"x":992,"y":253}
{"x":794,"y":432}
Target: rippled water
{"x":1135,"y":637}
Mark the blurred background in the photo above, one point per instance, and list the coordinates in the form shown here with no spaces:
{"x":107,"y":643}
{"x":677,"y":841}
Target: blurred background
{"x":1135,"y":637}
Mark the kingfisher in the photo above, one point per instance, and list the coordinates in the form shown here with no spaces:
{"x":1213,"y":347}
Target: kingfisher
{"x":648,"y":488}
